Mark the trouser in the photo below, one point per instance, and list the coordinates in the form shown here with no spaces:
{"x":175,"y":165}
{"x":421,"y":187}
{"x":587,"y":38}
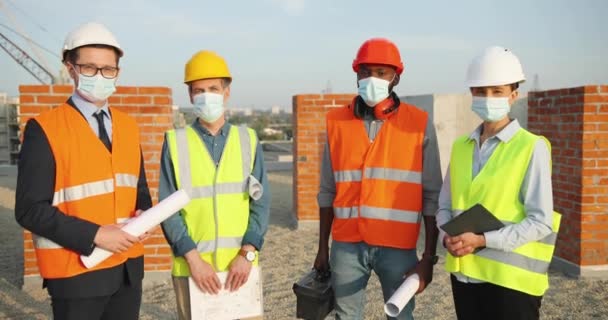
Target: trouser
{"x":351,"y":266}
{"x":182,"y":297}
{"x":122,"y":305}
{"x":489,"y":301}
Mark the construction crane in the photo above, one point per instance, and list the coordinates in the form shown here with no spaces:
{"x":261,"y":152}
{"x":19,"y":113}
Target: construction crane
{"x":36,"y":67}
{"x":26,"y":61}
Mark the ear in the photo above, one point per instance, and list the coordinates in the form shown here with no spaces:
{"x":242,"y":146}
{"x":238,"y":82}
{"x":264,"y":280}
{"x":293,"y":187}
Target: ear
{"x":72,"y":72}
{"x":190,"y":94}
{"x":396,"y":80}
{"x":513,"y":96}
{"x":226,"y":94}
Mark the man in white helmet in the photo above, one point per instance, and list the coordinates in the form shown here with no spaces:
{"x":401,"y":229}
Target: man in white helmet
{"x":499,"y":274}
{"x":81,"y":175}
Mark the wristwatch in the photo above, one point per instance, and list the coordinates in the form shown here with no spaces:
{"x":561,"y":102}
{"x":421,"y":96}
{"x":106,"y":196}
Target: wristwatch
{"x":248,"y":255}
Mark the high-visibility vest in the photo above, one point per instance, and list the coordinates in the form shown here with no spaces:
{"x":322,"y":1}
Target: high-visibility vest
{"x":90,"y":183}
{"x":497,"y":188}
{"x":218,"y":215}
{"x":378,"y":183}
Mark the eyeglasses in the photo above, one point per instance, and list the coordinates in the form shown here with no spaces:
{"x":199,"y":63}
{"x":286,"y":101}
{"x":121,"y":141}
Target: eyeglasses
{"x":91,"y":70}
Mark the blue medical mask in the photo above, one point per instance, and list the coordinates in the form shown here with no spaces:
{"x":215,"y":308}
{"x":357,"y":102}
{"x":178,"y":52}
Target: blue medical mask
{"x":373,"y":90}
{"x":95,"y":88}
{"x":208,"y":106}
{"x":491,"y":109}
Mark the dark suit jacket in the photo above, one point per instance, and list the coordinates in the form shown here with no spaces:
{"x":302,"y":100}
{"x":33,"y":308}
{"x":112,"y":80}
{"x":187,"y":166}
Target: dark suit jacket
{"x":34,"y":212}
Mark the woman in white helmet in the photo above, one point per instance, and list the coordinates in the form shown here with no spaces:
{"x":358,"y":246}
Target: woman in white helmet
{"x":502,"y":273}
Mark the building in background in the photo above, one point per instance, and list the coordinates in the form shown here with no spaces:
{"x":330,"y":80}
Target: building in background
{"x":9,"y":130}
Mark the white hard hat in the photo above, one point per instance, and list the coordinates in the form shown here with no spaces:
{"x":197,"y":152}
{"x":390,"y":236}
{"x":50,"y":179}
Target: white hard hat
{"x":90,"y":33}
{"x":495,"y":66}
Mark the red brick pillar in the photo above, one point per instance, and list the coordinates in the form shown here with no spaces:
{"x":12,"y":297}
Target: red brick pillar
{"x":309,"y":139}
{"x":152,"y":109}
{"x":575,"y":120}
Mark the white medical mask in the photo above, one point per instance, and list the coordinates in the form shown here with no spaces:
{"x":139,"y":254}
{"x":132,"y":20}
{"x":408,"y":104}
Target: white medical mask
{"x":95,"y":88}
{"x":208,"y":106}
{"x":491,"y":109}
{"x":373,"y":90}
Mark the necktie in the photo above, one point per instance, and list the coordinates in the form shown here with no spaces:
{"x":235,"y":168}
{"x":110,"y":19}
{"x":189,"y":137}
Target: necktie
{"x":103,"y":134}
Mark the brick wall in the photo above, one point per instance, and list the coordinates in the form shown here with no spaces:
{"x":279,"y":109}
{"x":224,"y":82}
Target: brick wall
{"x":151,"y":107}
{"x":309,"y":139}
{"x":575,"y":120}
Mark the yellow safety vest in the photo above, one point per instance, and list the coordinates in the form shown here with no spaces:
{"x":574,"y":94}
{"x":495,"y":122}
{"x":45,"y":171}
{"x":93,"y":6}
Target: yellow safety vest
{"x":218,"y":215}
{"x":497,"y":188}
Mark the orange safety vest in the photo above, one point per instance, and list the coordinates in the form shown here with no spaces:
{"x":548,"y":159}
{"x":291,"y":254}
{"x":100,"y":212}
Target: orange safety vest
{"x":378,"y":183}
{"x":90,"y":183}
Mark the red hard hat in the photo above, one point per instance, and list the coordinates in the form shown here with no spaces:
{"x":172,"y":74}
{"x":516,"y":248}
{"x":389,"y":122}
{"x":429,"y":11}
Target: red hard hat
{"x":378,"y":51}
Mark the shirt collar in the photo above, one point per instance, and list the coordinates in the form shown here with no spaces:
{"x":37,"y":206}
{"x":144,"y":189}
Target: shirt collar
{"x":223,"y":130}
{"x":87,"y":108}
{"x":505,"y":135}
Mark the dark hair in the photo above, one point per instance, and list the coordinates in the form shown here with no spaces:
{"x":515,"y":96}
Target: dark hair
{"x":71,"y":56}
{"x":514,"y":86}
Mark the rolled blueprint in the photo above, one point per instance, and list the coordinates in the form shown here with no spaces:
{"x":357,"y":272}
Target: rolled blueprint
{"x":402,"y":296}
{"x":255,"y":188}
{"x":143,"y":223}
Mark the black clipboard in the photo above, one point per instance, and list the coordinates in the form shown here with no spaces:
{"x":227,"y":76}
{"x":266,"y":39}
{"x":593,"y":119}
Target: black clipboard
{"x":476,"y":219}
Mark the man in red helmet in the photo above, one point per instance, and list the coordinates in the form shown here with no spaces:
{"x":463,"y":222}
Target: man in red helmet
{"x":379,"y":176}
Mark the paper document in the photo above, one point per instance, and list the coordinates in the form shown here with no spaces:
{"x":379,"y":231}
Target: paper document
{"x":226,"y":305}
{"x":145,"y":222}
{"x":402,"y":296}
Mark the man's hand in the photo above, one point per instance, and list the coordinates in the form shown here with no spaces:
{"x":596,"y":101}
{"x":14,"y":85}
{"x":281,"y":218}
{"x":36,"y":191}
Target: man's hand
{"x":424,"y":269}
{"x":464,"y":244}
{"x":113,"y":239}
{"x":238,"y":273}
{"x":322,"y":260}
{"x":202,"y":273}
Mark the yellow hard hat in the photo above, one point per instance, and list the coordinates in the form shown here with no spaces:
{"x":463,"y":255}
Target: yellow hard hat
{"x":206,"y":65}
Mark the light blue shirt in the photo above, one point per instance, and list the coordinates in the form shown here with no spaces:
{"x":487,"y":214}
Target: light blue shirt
{"x":536,"y":194}
{"x":88,"y":109}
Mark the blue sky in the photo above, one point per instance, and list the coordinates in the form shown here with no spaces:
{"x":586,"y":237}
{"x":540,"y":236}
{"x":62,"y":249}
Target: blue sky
{"x":278,"y":48}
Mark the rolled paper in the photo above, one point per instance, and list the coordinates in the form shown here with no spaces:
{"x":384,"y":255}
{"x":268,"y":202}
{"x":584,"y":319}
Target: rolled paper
{"x":402,"y":296}
{"x":143,"y":223}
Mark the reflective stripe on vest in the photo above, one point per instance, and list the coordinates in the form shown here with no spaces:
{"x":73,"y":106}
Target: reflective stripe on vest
{"x":377,"y":213}
{"x":516,"y":260}
{"x":220,"y":188}
{"x":84,"y":191}
{"x":524,"y":268}
{"x":346,"y":213}
{"x":44,"y":243}
{"x":92,"y":189}
{"x":347,"y":175}
{"x":393,"y":175}
{"x":220,"y":243}
{"x":378,"y":173}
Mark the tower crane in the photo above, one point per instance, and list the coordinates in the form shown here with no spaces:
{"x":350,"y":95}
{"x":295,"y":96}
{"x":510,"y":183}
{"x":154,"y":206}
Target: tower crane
{"x":36,"y":67}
